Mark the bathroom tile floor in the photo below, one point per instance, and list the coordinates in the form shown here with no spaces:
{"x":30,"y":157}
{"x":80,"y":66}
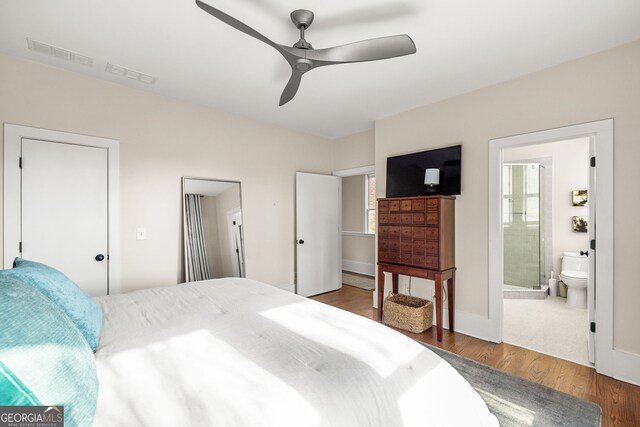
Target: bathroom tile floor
{"x":548,"y":326}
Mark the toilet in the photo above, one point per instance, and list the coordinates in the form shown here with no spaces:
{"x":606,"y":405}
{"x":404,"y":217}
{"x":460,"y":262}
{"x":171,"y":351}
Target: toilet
{"x":574,"y":274}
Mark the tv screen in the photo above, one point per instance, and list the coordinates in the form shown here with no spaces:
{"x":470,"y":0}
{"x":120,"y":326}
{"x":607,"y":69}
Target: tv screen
{"x":405,"y":174}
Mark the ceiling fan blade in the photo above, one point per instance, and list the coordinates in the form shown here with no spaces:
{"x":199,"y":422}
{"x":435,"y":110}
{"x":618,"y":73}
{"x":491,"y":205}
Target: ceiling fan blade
{"x":365,"y":50}
{"x":291,"y":88}
{"x":240,"y":26}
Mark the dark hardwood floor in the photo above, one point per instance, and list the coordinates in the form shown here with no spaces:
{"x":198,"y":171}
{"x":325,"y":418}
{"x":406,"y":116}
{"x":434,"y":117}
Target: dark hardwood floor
{"x":620,"y":401}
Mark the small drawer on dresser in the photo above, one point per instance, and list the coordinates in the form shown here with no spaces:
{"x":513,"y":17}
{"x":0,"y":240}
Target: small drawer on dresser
{"x":394,"y":218}
{"x":405,"y":247}
{"x":394,"y":246}
{"x":383,"y":205}
{"x":383,"y":244}
{"x":419,"y":247}
{"x":432,"y":204}
{"x":406,"y":232}
{"x":431,"y":262}
{"x":394,"y":232}
{"x":384,"y":218}
{"x":393,"y":257}
{"x":419,"y":260}
{"x":431,"y":233}
{"x":405,"y":205}
{"x":417,"y":205}
{"x":383,"y":255}
{"x":418,"y":218}
{"x":431,"y":247}
{"x":406,"y":218}
{"x":406,"y":259}
{"x":383,"y":231}
{"x":432,"y":218}
{"x":394,"y":205}
{"x":418,"y":233}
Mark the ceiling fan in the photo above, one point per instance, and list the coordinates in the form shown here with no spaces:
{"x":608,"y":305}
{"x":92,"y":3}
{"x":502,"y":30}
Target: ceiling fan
{"x":302,"y":57}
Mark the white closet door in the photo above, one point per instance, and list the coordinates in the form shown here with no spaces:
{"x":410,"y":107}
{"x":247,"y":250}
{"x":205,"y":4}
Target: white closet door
{"x":318,"y":249}
{"x":64,"y":218}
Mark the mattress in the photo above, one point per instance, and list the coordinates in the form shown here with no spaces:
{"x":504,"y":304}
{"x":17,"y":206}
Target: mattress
{"x":237,"y":352}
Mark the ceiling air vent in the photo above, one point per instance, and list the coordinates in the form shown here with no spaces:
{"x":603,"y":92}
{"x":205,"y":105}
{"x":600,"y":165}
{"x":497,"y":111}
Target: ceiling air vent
{"x":131,"y":74}
{"x":59,"y":52}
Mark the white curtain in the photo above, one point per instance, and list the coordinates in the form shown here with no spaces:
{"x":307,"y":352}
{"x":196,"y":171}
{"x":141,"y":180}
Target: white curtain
{"x":197,"y":263}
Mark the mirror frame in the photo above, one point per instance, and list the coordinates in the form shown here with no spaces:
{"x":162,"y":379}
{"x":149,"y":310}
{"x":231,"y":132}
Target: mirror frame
{"x":184,"y":222}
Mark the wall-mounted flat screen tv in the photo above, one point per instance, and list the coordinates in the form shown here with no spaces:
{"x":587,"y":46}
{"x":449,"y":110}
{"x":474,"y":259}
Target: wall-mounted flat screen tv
{"x":405,"y":173}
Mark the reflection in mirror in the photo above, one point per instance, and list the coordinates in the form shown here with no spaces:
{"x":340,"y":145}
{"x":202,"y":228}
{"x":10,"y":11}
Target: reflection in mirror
{"x":359,"y":203}
{"x":212,"y":229}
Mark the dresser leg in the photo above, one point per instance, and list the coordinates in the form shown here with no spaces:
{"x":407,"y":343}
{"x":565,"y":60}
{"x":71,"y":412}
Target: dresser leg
{"x":394,"y":280}
{"x":438,"y":282}
{"x":451,"y":295}
{"x":380,"y":291}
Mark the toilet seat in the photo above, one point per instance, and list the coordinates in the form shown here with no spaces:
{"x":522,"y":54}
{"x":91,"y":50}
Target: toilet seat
{"x":572,"y":274}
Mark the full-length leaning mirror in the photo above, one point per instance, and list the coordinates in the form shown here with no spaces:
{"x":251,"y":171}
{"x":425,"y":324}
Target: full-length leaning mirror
{"x":212,"y":229}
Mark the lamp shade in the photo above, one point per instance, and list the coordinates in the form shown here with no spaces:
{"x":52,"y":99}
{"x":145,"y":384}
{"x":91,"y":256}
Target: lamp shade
{"x":432,"y":176}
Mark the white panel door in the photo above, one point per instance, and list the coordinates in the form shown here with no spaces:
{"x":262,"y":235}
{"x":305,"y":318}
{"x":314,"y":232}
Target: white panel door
{"x":318,"y":249}
{"x":64,"y":218}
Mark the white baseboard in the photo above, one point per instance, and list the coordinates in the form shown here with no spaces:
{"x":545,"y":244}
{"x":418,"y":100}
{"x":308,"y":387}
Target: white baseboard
{"x":626,"y":367}
{"x":358,"y":267}
{"x":469,"y":324}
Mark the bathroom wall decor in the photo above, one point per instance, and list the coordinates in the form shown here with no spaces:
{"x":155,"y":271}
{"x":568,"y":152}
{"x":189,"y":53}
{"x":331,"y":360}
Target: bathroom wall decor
{"x":579,"y":224}
{"x":580,"y":198}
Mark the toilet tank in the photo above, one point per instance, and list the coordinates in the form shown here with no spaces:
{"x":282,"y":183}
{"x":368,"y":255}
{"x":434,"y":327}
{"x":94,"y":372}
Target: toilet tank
{"x":573,"y":261}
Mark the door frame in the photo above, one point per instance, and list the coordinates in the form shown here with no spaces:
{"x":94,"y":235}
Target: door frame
{"x":600,"y":134}
{"x":13,"y":135}
{"x":237,"y":265}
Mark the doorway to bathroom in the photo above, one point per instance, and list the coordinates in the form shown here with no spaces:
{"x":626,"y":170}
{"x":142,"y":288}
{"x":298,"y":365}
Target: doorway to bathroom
{"x":538,"y":182}
{"x":535,"y":231}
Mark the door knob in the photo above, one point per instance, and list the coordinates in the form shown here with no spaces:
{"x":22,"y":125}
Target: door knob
{"x":301,"y":242}
{"x":584,"y":253}
{"x":99,"y":257}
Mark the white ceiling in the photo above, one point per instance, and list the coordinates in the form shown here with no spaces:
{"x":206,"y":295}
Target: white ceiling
{"x":462,"y":45}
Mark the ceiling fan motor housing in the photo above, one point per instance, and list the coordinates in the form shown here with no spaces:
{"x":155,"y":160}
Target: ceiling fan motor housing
{"x":303,"y":64}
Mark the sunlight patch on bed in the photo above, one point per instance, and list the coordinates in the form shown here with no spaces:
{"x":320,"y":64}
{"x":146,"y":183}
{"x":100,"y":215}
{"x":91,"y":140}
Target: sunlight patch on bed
{"x":168,"y":381}
{"x":380,"y":347}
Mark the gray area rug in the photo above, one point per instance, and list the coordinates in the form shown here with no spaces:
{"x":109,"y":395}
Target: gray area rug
{"x":362,"y":282}
{"x":518,"y":402}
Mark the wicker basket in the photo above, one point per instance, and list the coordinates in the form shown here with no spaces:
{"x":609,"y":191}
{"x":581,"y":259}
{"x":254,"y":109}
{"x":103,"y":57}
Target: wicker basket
{"x":411,"y":314}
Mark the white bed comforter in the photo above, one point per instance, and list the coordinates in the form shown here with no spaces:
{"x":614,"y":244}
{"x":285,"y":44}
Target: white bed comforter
{"x":236,"y":352}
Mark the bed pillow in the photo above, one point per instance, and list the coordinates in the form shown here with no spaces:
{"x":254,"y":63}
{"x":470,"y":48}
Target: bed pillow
{"x":44,"y":359}
{"x":81,"y":309}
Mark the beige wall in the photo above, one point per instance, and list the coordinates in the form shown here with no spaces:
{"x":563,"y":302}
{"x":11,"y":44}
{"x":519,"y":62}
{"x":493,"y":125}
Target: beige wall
{"x":570,"y":171}
{"x":161,"y":140}
{"x":354,"y":151}
{"x":601,"y":86}
{"x":353,"y":203}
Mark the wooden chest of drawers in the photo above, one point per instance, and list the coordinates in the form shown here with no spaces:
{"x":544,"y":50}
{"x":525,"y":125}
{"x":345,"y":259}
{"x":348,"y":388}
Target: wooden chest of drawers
{"x":417,"y":232}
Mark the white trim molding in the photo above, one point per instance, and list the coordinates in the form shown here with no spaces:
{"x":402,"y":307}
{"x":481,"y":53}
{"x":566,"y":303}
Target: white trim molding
{"x":358,"y":234}
{"x":13,"y":135}
{"x":601,"y":135}
{"x":359,"y":267}
{"x":363,"y":170}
